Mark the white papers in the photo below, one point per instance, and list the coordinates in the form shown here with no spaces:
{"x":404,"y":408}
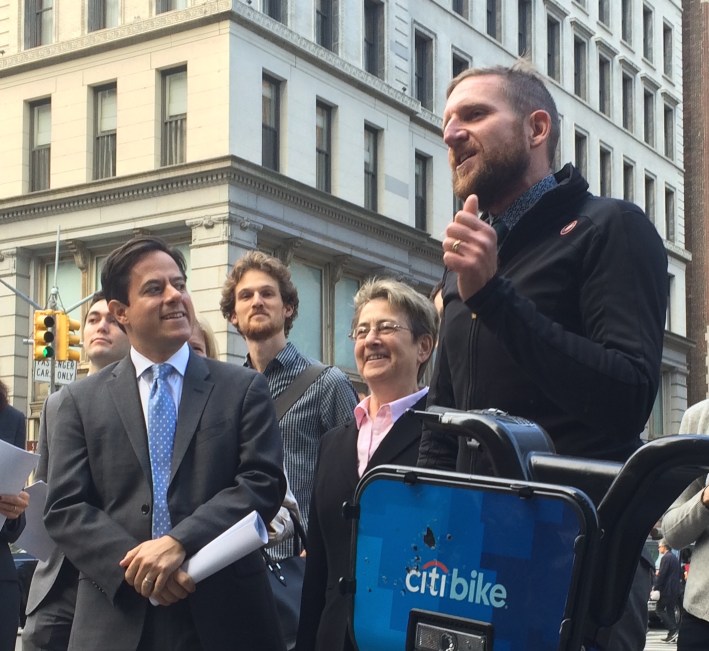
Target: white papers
{"x":15,"y":466}
{"x":247,"y":535}
{"x":35,"y":538}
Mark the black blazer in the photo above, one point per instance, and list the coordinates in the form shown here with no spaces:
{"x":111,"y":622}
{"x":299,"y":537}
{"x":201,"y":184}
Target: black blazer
{"x":324,"y":612}
{"x":12,"y":430}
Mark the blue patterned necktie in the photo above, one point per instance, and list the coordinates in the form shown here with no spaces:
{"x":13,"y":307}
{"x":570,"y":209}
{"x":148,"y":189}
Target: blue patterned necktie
{"x":162,"y":420}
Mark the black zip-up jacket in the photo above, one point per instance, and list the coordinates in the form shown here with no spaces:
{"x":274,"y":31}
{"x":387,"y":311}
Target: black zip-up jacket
{"x":567,"y":334}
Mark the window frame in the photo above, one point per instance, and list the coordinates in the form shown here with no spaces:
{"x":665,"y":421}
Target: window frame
{"x":173,"y":127}
{"x":273,"y":126}
{"x":40,"y":154}
{"x":100,"y":169}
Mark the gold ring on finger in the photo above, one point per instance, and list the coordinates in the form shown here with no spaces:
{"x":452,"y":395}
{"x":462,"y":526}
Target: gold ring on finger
{"x":456,"y":246}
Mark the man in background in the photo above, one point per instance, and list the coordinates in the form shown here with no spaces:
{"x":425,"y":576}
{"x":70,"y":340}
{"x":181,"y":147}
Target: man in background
{"x":260,"y":300}
{"x":52,"y":596}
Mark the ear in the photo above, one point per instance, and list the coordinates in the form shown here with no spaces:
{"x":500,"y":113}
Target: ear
{"x":234,"y":320}
{"x":425,"y":348}
{"x":539,"y":128}
{"x":288,"y":310}
{"x":119,"y":311}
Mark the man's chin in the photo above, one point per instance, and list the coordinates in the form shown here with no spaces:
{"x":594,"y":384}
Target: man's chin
{"x":261,"y":332}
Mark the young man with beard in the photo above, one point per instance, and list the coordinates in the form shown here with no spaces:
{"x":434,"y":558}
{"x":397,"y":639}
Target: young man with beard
{"x":52,"y":597}
{"x":261,"y":302}
{"x":554,"y":300}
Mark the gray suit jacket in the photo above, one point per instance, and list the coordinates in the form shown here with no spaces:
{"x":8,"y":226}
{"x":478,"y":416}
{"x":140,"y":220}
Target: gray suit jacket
{"x":46,"y":572}
{"x":227,"y":461}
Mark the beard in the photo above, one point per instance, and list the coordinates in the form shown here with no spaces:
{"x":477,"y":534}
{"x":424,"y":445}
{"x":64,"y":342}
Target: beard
{"x":261,"y":330}
{"x":495,"y":174}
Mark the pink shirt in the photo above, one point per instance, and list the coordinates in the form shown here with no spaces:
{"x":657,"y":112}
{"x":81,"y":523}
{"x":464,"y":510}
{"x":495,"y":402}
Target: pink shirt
{"x":372,"y":431}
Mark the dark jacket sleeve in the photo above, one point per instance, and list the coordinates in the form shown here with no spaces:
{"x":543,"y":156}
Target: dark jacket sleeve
{"x":315,"y":581}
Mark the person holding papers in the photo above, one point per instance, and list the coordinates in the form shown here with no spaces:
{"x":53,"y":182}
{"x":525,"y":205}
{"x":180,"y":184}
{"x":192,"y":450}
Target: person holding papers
{"x":12,"y":430}
{"x":394,"y":332}
{"x":52,"y":596}
{"x":154,"y":457}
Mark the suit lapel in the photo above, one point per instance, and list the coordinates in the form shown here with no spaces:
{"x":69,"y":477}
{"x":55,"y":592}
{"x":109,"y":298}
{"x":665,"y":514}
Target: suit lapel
{"x":123,"y":389}
{"x":405,"y":432}
{"x":195,"y":391}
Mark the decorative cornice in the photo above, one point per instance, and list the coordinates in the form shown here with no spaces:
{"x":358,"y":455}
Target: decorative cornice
{"x":139,"y":29}
{"x":225,"y":170}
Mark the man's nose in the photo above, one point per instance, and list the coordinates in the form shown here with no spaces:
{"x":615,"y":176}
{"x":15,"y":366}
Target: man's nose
{"x":453,"y":132}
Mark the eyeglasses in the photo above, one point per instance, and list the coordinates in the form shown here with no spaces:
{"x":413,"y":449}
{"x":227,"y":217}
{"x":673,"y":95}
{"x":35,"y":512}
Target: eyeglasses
{"x":382,"y":329}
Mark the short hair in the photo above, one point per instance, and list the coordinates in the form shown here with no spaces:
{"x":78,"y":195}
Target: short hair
{"x":419,"y":310}
{"x":259,"y":261}
{"x":95,"y":298}
{"x":115,"y":276}
{"x":525,"y":90}
{"x":664,"y":543}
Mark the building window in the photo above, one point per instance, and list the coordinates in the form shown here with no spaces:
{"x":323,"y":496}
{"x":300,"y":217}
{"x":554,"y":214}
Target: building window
{"x":371,"y":136}
{"x":524,"y":27}
{"x":647,"y":32}
{"x":554,"y":48}
{"x":649,"y":117}
{"x":104,"y":14}
{"x":670,"y":214}
{"x":459,"y":64}
{"x":628,"y":101}
{"x":667,"y":45}
{"x":669,"y":129}
{"x":423,"y":70}
{"x":494,"y":22}
{"x":274,"y":9}
{"x":626,"y":21}
{"x":174,"y":119}
{"x":580,"y":65}
{"x":604,"y":85}
{"x":105,"y":132}
{"x":604,"y":12}
{"x":169,"y":5}
{"x":606,"y":172}
{"x":628,"y":181}
{"x":460,"y":7}
{"x":325,"y":23}
{"x":374,"y":37}
{"x":650,"y":198}
{"x":40,"y":144}
{"x":581,"y":152}
{"x":421,"y":190}
{"x":39,"y":22}
{"x":323,"y":146}
{"x":270,"y":123}
{"x":323,"y":334}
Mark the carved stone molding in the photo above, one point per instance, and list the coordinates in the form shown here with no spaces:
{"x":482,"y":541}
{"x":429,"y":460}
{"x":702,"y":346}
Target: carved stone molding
{"x":339,"y":265}
{"x":286,"y":250}
{"x":80,"y":253}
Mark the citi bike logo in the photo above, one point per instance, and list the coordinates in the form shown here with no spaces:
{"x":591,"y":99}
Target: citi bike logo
{"x":433,"y":579}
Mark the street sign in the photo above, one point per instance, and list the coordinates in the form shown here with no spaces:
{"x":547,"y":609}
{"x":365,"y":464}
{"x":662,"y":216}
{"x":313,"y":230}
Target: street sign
{"x":64,"y":372}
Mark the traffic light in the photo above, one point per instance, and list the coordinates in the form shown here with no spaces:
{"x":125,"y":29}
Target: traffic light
{"x":67,"y":335}
{"x":44,"y":328}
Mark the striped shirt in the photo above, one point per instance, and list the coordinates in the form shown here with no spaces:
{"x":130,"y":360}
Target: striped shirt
{"x":326,"y":403}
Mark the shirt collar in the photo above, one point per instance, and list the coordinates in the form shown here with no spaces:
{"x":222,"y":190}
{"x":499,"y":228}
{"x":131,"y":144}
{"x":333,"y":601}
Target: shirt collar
{"x":286,"y":356}
{"x":525,"y":201}
{"x":178,"y":361}
{"x":397,"y":407}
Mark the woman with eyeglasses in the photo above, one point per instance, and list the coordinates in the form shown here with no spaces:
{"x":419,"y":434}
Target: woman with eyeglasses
{"x":394,"y":331}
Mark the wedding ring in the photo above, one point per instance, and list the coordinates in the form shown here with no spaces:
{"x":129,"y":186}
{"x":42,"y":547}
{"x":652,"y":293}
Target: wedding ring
{"x":148,"y":581}
{"x":14,"y":508}
{"x":456,"y":246}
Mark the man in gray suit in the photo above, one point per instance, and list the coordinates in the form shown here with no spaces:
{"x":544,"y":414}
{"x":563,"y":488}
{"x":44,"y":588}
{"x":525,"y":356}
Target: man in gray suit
{"x":52,"y":596}
{"x":214,"y":424}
